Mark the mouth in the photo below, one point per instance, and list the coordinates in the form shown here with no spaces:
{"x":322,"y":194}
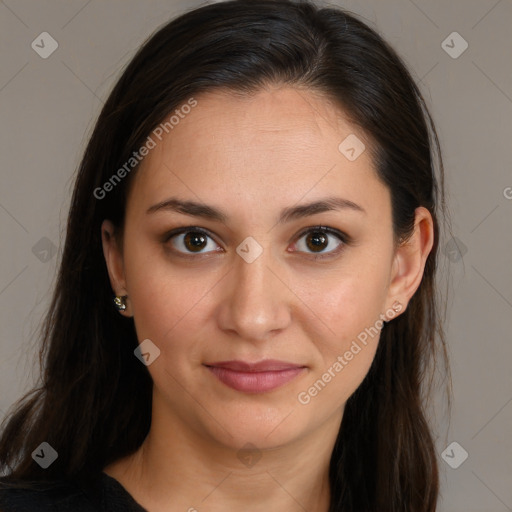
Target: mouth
{"x":257,"y":377}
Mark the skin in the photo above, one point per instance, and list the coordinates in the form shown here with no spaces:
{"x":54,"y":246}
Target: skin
{"x":252,"y":157}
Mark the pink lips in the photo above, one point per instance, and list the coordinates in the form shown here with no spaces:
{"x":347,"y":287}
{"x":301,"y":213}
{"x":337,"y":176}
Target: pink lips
{"x":255,"y":377}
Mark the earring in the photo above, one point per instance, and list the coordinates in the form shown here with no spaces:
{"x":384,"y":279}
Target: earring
{"x":393,"y":311}
{"x":120,"y":302}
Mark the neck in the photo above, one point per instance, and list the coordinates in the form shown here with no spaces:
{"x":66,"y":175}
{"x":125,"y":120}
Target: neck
{"x":178,"y":469}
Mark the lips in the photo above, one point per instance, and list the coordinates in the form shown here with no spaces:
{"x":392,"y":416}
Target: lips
{"x":255,"y":377}
{"x":267,"y":365}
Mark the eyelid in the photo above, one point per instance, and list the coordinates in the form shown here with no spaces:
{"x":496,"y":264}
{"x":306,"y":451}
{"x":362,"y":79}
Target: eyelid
{"x":342,"y":236}
{"x":332,"y":231}
{"x":185,"y":229}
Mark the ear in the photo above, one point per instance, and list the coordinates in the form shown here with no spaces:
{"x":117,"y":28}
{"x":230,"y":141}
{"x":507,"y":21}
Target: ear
{"x":410,"y":258}
{"x":114,"y":260}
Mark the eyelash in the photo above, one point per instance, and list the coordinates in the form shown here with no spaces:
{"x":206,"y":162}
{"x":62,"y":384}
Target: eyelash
{"x":342,"y":237}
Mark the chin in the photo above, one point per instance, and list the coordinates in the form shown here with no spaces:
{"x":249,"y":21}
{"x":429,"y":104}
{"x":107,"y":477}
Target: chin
{"x":258,"y":424}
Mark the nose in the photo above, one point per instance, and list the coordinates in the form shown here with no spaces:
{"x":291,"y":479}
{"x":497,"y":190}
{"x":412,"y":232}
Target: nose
{"x":256,"y":301}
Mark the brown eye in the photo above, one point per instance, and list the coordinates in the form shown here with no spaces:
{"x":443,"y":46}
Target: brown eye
{"x":194,"y":241}
{"x":316,"y":241}
{"x":190,"y":241}
{"x":321,"y":241}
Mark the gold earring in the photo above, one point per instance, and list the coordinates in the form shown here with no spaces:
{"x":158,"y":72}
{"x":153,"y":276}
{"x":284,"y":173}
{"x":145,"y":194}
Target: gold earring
{"x":120,"y":302}
{"x":396,"y":307}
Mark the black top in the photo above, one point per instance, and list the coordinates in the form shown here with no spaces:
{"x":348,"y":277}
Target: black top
{"x":101,"y":493}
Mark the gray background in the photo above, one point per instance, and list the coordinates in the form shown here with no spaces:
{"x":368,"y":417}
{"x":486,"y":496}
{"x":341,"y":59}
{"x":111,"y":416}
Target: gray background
{"x":48,"y":108}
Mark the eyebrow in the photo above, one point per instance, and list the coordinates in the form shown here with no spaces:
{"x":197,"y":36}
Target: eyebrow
{"x":196,"y":209}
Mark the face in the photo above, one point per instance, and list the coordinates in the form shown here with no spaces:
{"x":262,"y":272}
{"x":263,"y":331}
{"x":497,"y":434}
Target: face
{"x":264,"y":278}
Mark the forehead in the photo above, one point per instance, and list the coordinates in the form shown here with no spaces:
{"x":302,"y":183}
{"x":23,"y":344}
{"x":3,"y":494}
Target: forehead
{"x":299,"y":114}
{"x":278,"y":143}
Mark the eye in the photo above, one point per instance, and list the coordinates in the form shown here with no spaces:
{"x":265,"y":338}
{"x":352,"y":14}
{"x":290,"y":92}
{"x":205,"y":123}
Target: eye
{"x":320,"y":238}
{"x":191,"y":240}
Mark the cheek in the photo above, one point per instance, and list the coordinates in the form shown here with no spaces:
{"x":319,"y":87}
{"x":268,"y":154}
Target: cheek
{"x":165,"y":308}
{"x":162,"y":296}
{"x":347,"y":301}
{"x":334,"y":384}
{"x":346,"y":350}
{"x":347,"y":330}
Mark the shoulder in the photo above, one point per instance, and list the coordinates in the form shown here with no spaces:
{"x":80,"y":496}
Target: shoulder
{"x":98,"y":492}
{"x":57,"y":497}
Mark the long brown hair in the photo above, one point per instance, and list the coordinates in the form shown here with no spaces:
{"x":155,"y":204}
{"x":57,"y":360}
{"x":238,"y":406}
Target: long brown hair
{"x":93,"y":404}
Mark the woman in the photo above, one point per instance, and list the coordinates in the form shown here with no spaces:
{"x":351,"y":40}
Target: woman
{"x":245,"y":316}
